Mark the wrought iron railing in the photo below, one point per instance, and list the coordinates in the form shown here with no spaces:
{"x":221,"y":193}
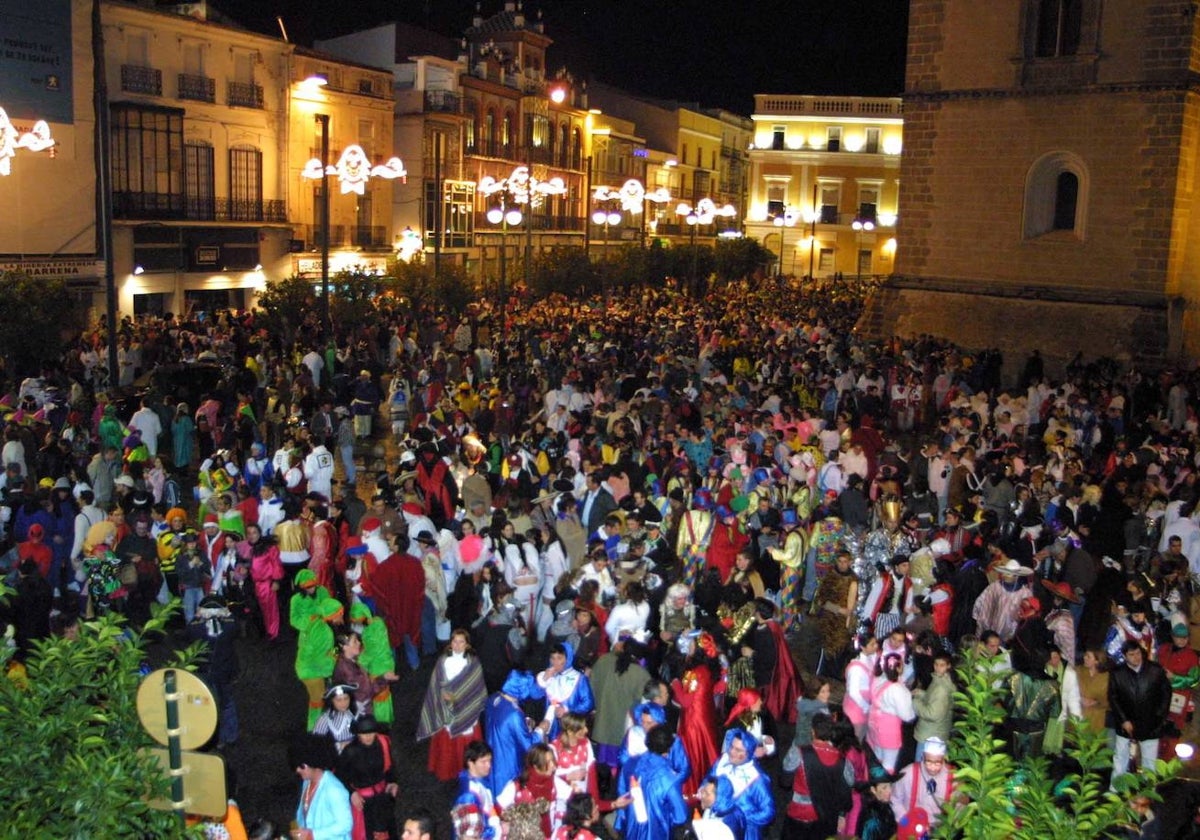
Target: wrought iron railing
{"x":135,"y":79}
{"x":197,"y":88}
{"x":244,"y":95}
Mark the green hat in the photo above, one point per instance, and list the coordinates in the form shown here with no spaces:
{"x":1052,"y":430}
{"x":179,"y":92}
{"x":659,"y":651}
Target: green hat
{"x":739,"y":503}
{"x":359,"y":611}
{"x":331,"y":608}
{"x":306,"y":579}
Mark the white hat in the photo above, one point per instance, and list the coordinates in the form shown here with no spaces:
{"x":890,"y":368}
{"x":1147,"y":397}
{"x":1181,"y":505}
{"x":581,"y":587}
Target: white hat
{"x":935,"y":747}
{"x":1012,"y":567}
{"x":123,"y":481}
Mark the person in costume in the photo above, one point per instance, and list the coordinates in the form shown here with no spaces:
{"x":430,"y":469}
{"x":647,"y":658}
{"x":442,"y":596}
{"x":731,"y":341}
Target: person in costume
{"x":891,"y":708}
{"x":752,"y":794}
{"x":339,"y":713}
{"x":396,"y":585}
{"x":695,"y":532}
{"x":748,"y":714}
{"x":877,"y":820}
{"x":576,"y":761}
{"x":348,"y":670}
{"x":728,"y":538}
{"x":998,"y":607}
{"x":775,"y":674}
{"x":698,"y":719}
{"x":617,"y":681}
{"x":821,"y":794}
{"x":324,"y":809}
{"x":646,"y":717}
{"x":581,"y":813}
{"x":927,"y":784}
{"x":377,"y":658}
{"x":452,"y":708}
{"x":473,"y":790}
{"x":537,"y":782}
{"x":790,"y":557}
{"x":656,"y":803}
{"x":365,"y":767}
{"x":306,"y":600}
{"x":315,"y":655}
{"x":890,"y":599}
{"x":835,"y":602}
{"x":266,"y":570}
{"x":505,"y":728}
{"x":718,"y":818}
{"x":566,"y":689}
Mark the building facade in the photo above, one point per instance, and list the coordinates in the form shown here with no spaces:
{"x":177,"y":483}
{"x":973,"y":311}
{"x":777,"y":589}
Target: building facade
{"x":1048,"y":179}
{"x":825,"y":179}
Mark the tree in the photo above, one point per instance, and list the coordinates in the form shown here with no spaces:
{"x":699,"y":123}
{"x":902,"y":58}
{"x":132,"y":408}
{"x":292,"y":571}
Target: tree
{"x":285,"y":304}
{"x":1002,"y":798}
{"x":566,"y":271}
{"x":73,"y":764}
{"x":738,"y":259}
{"x":37,"y":314}
{"x":448,"y":291}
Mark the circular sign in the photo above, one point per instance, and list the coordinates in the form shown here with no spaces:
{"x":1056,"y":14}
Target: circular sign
{"x":197,"y":708}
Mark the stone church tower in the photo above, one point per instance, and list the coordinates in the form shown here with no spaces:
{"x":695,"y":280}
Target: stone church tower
{"x":1047,"y":180}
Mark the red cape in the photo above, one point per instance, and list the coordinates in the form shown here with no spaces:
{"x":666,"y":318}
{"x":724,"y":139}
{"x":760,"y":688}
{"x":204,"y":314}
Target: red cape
{"x":785,"y":687}
{"x":398,"y":588}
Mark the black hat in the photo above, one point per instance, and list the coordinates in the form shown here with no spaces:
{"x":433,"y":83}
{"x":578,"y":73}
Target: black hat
{"x":364,"y":725}
{"x":426,"y":538}
{"x":877,"y":775}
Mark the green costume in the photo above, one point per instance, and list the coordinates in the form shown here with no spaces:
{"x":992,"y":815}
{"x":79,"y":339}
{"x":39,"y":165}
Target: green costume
{"x":112,"y":433}
{"x":316,"y":656}
{"x":377,"y":657}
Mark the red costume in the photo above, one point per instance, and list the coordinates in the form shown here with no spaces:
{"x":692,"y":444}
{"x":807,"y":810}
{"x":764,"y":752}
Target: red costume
{"x":784,"y":689}
{"x":723,"y":547}
{"x":697,"y":723}
{"x":37,"y":551}
{"x":397,"y":586}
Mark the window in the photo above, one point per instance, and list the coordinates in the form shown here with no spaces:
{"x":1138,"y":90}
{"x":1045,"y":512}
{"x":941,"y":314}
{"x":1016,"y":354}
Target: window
{"x":1066,"y":200}
{"x":1056,"y":191}
{"x":471,"y":126}
{"x":245,"y":184}
{"x":365,"y":236}
{"x":147,"y":162}
{"x":366,"y":138}
{"x":243,"y":68}
{"x":137,"y":49}
{"x":712,"y":160}
{"x":830,"y":199}
{"x":198,"y":180}
{"x":576,"y":149}
{"x":825,"y":261}
{"x":683,"y":157}
{"x":564,"y":146}
{"x":193,"y":59}
{"x":776,"y":200}
{"x":488,"y":140}
{"x":1059,"y":26}
{"x":833,"y":138}
{"x":872,"y":146}
{"x":457,"y":222}
{"x":506,"y":137}
{"x":868,"y":201}
{"x":778,"y":135}
{"x":864,"y":261}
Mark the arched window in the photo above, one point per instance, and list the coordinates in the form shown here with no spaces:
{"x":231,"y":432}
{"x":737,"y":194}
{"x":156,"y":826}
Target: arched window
{"x":564,"y":146}
{"x":1059,"y":25}
{"x":506,"y":134}
{"x":488,"y":141}
{"x":1056,"y":191}
{"x":576,"y":149}
{"x":471,"y":126}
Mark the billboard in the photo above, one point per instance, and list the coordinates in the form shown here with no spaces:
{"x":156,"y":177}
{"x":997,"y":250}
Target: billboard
{"x":35,"y":60}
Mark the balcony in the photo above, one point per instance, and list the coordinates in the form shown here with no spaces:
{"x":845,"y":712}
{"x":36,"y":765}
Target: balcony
{"x":443,"y":102}
{"x":244,"y":95}
{"x":135,"y":79}
{"x":368,"y":236}
{"x":174,"y":207}
{"x":197,"y":88}
{"x":539,"y":222}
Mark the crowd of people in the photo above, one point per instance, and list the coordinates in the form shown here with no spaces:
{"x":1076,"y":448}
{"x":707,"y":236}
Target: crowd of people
{"x":621,"y":531}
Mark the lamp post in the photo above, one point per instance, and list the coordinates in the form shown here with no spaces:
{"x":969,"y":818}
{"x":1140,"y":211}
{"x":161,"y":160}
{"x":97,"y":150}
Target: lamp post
{"x":518,"y":189}
{"x":860,"y":226}
{"x":783,"y":220}
{"x":505,"y":216}
{"x":705,"y":212}
{"x":605,"y":219}
{"x":323,"y":121}
{"x":810,"y":219}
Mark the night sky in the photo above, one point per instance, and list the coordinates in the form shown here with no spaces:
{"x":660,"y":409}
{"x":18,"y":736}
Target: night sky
{"x":716,"y":54}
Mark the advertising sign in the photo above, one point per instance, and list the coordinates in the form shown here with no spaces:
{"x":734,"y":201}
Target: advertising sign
{"x":35,"y":60}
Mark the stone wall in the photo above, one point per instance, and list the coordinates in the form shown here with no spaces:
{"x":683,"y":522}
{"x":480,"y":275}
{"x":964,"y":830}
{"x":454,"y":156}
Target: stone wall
{"x":994,"y":318}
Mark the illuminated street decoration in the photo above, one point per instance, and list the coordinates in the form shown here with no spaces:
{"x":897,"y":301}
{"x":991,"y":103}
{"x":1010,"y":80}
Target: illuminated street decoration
{"x":705,"y":211}
{"x":353,"y":170}
{"x":409,"y":244}
{"x":522,"y":188}
{"x":632,"y":195}
{"x":36,"y":140}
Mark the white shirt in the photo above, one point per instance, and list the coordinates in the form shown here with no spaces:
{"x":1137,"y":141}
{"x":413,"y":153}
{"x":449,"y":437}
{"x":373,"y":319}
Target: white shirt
{"x":147,"y":422}
{"x":318,"y":469}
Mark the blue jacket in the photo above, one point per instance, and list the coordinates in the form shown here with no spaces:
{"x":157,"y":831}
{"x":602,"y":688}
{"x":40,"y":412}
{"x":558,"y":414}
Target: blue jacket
{"x":665,"y":808}
{"x":329,"y":816}
{"x":508,"y":735}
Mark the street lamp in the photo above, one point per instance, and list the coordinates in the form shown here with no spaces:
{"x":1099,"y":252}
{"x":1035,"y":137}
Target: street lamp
{"x":861,"y":226}
{"x":519,"y":189}
{"x":506,"y":216}
{"x":634,"y":199}
{"x":783,"y":220}
{"x":606,"y":218}
{"x":704,"y":213}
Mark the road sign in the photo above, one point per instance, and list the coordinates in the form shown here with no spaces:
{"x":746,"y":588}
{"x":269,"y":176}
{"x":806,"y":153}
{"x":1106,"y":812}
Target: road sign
{"x":197,"y":708}
{"x":203,"y":777}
